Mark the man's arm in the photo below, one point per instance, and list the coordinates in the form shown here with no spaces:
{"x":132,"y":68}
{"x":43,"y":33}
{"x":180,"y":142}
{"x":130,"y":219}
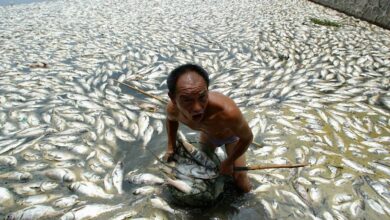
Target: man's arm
{"x":242,"y":130}
{"x":172,"y":126}
{"x":245,"y":135}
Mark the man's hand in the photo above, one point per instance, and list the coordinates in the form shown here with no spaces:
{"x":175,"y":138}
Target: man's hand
{"x":168,"y":155}
{"x":226,"y":168}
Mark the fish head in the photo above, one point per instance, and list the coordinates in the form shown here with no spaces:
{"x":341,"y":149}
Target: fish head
{"x":25,"y":176}
{"x":68,"y":216}
{"x":73,"y":186}
{"x":69,"y":177}
{"x":48,"y":185}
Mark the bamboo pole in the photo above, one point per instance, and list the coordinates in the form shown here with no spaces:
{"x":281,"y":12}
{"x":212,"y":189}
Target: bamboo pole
{"x":143,"y":92}
{"x":259,"y":167}
{"x":256,"y":144}
{"x":162,"y":100}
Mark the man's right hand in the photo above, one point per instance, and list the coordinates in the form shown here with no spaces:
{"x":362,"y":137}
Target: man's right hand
{"x":168,"y":156}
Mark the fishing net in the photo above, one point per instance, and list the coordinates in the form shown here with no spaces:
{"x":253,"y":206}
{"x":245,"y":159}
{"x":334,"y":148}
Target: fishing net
{"x":205,"y":192}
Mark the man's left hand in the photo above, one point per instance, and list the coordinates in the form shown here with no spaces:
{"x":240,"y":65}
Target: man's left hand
{"x":226,"y":168}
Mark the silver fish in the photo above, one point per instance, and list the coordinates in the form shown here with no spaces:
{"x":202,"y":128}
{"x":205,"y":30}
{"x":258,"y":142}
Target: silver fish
{"x":8,"y":160}
{"x":144,"y":178}
{"x":12,"y":146}
{"x":108,"y":185}
{"x":90,"y":189}
{"x":6,"y":197}
{"x":15,"y":175}
{"x":66,"y":201}
{"x":34,"y":212}
{"x":147,"y":136}
{"x":146,"y":190}
{"x":356,"y":166}
{"x":37,"y":199}
{"x":89,"y":211}
{"x":143,"y":123}
{"x":159,"y":203}
{"x":123,"y":135}
{"x":124,"y":215}
{"x":34,"y":188}
{"x":180,"y":185}
{"x":117,"y":177}
{"x":61,"y":174}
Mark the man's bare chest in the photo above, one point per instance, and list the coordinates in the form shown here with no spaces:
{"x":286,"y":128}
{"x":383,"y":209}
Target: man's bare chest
{"x":214,"y":127}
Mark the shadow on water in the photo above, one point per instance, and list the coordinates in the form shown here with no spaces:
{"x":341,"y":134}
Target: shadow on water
{"x":231,"y":205}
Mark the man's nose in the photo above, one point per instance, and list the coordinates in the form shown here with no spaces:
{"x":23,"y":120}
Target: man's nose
{"x":197,"y":107}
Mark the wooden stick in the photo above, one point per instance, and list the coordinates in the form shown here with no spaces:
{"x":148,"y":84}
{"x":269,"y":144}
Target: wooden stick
{"x":162,"y":100}
{"x":143,"y":92}
{"x":257,"y":144}
{"x":259,"y":167}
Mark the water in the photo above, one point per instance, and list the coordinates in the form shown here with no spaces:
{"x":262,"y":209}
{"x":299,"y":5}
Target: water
{"x":266,"y":55}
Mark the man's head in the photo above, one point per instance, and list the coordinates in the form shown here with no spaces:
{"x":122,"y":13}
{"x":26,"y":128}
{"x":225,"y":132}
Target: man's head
{"x":188,"y":90}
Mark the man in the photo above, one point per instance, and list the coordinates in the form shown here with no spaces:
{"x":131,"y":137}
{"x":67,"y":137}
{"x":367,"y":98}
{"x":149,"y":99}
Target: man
{"x":215,"y":115}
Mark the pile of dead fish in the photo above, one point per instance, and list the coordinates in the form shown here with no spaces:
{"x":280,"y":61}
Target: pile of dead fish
{"x":196,"y":180}
{"x":72,"y":140}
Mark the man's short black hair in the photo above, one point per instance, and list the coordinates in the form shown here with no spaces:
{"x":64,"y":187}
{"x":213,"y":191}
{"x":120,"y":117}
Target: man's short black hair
{"x":178,"y":71}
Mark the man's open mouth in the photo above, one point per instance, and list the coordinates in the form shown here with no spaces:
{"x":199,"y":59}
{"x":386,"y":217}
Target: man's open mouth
{"x":197,"y":117}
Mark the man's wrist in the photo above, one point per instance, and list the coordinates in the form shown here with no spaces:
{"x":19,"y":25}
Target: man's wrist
{"x":229,"y":161}
{"x":170,"y":149}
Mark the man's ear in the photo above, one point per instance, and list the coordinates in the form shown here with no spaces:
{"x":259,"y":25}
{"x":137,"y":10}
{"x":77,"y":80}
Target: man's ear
{"x":172,"y":97}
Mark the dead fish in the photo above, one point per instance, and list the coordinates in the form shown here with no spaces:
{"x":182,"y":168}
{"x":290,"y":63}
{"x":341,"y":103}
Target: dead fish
{"x":159,"y":203}
{"x":180,"y":185}
{"x":117,"y":177}
{"x":124,"y":215}
{"x":123,"y":135}
{"x":143,"y":178}
{"x":90,"y":189}
{"x":8,"y":161}
{"x":15,"y":175}
{"x":61,"y":174}
{"x":38,"y":199}
{"x":143,"y":123}
{"x":34,"y":188}
{"x":66,"y":201}
{"x":146,"y":190}
{"x":34,"y":212}
{"x":6,"y":197}
{"x":89,"y":211}
{"x":147,"y":136}
{"x":356,"y":166}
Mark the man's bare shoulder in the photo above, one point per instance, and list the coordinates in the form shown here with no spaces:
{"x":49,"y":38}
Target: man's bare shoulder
{"x":217,"y":96}
{"x":232,"y":116}
{"x":228,"y":106}
{"x":172,"y":112}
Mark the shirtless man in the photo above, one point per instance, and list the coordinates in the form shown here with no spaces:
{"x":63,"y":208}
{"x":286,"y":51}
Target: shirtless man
{"x":215,"y":115}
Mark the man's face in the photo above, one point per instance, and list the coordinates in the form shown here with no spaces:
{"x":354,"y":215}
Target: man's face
{"x":191,"y":97}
